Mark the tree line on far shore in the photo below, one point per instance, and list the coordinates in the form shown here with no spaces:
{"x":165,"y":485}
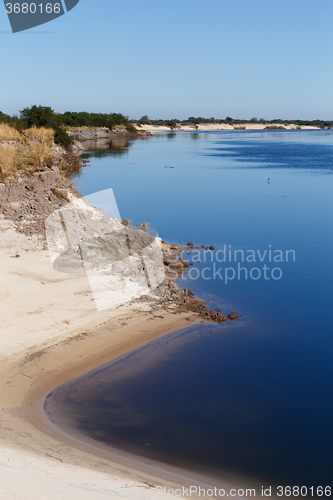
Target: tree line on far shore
{"x":45,"y":116}
{"x":192,"y":120}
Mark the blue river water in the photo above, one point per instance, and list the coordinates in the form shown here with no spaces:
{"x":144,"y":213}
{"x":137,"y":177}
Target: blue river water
{"x":250,"y":398}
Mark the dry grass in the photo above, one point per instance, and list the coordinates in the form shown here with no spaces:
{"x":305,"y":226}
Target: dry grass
{"x":32,"y":151}
{"x":8,"y":133}
{"x":44,"y":134}
{"x":8,"y":159}
{"x":27,"y":155}
{"x":39,"y":153}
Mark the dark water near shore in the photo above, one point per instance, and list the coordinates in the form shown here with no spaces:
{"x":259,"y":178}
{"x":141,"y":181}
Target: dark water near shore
{"x":253,"y":397}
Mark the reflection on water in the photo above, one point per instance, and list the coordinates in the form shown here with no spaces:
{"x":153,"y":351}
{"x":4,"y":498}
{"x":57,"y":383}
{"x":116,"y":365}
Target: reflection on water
{"x":171,"y":135}
{"x":113,"y":147}
{"x":195,"y":136}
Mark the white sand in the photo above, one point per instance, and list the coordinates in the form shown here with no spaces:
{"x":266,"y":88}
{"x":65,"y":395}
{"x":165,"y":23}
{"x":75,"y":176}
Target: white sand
{"x":221,"y":126}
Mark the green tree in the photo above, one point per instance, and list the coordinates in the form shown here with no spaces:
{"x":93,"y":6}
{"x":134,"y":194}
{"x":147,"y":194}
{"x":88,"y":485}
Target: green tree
{"x":4,"y":118}
{"x":39,"y":116}
{"x":144,"y":120}
{"x":171,"y":123}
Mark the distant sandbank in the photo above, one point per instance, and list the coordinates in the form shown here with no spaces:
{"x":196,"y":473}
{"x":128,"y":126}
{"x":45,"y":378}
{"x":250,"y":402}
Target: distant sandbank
{"x":207,"y":127}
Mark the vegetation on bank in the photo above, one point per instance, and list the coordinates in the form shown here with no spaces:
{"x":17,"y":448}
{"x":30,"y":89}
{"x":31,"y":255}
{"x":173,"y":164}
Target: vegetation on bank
{"x":237,"y":123}
{"x":45,"y":116}
{"x":32,"y":150}
{"x":27,"y":140}
{"x":26,"y":151}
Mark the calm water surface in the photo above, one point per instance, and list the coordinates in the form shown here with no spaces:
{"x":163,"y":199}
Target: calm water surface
{"x":249,"y":398}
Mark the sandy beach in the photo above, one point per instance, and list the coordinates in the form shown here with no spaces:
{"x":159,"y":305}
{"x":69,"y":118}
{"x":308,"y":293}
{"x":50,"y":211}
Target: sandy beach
{"x":207,"y":127}
{"x":52,"y":332}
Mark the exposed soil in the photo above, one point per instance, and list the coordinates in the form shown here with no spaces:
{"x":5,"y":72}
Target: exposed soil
{"x":28,"y":200}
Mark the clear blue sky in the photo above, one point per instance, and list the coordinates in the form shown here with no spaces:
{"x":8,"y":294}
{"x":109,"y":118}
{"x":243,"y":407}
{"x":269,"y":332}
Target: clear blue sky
{"x":240,"y":58}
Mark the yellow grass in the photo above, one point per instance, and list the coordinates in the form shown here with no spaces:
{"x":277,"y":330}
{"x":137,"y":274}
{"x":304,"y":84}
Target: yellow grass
{"x":39,"y":153}
{"x":7,"y":132}
{"x":44,"y":134}
{"x":40,"y":150}
{"x":8,"y":161}
{"x":30,"y":153}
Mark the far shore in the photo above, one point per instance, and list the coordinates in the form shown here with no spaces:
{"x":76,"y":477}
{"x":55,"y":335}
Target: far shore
{"x":207,"y":127}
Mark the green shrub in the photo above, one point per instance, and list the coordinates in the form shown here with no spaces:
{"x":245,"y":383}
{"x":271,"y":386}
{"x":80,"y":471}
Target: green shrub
{"x":130,"y":127}
{"x":171,"y":123}
{"x":62,"y":138}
